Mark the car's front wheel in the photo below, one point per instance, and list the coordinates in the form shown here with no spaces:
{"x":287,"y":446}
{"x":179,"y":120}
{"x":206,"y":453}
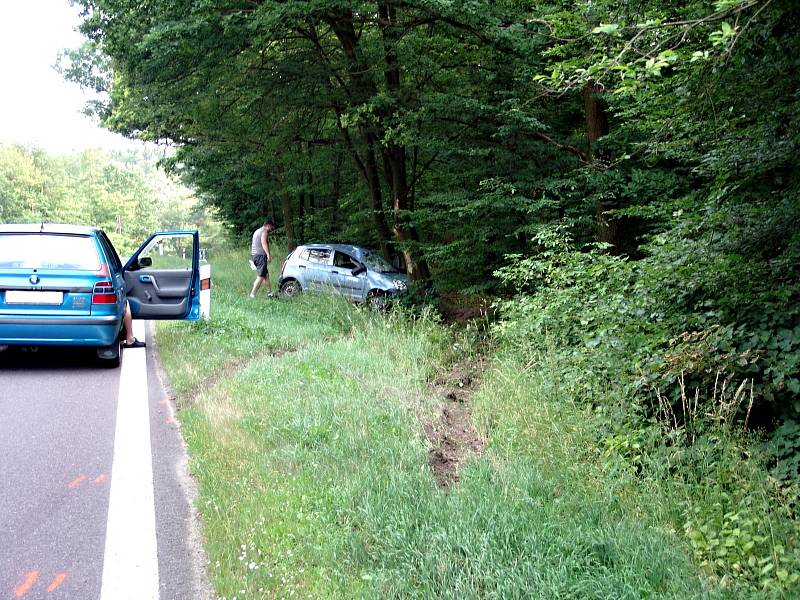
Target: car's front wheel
{"x":378,"y":300}
{"x":291,"y":287}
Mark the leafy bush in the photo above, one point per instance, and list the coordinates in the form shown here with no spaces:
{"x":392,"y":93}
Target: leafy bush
{"x":675,"y":359}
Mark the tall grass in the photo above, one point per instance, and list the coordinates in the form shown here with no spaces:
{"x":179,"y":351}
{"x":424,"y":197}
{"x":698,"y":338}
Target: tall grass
{"x":313,"y":477}
{"x":699,"y":479}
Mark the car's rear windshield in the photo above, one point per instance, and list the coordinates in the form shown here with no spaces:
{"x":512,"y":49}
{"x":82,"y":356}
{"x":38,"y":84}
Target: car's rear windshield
{"x":48,"y":251}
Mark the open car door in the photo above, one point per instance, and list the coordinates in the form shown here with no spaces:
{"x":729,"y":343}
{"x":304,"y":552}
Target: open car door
{"x":162,"y":278}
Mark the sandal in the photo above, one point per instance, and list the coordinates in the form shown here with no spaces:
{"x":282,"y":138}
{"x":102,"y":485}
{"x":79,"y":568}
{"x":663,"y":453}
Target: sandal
{"x":134,"y":344}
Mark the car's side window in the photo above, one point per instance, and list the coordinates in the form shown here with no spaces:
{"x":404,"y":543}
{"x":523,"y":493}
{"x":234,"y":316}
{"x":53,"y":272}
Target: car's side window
{"x":318,"y":255}
{"x":304,"y":255}
{"x":168,"y":251}
{"x":345,"y":261}
{"x":116,"y":263}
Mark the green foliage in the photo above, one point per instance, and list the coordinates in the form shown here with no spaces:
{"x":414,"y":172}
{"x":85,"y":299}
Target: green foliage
{"x":660,"y":319}
{"x":669,"y":387}
{"x":323,"y":114}
{"x":124,"y":194}
{"x":784,"y":449}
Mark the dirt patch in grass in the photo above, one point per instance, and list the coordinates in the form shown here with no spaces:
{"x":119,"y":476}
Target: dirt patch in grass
{"x":459,"y":308}
{"x":451,"y":435}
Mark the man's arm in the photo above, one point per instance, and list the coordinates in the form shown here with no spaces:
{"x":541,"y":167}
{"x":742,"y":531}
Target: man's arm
{"x":265,"y":243}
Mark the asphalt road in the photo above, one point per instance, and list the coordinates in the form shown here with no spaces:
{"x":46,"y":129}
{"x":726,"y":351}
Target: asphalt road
{"x":85,"y":513}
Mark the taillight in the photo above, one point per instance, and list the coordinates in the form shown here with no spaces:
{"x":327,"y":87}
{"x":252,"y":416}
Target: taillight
{"x":283,"y":266}
{"x":104,"y":293}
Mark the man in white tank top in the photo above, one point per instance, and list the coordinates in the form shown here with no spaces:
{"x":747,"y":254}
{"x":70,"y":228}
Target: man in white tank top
{"x":260,"y":255}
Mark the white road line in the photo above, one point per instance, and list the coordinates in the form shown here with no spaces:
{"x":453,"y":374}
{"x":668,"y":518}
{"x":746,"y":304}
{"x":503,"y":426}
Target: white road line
{"x":130,"y":567}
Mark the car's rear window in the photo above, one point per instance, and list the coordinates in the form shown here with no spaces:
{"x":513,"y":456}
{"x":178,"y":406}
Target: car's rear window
{"x":316,"y":255}
{"x":48,"y":251}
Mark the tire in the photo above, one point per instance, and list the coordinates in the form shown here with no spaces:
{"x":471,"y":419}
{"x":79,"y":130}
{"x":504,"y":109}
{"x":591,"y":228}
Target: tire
{"x":109,"y":356}
{"x":290,"y":287}
{"x":377,"y":300}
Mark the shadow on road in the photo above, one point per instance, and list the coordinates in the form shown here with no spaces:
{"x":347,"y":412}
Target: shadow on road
{"x":52,"y":359}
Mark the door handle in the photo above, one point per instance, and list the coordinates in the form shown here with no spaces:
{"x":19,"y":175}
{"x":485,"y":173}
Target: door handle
{"x":302,"y":266}
{"x":145,"y":279}
{"x":335,"y":272}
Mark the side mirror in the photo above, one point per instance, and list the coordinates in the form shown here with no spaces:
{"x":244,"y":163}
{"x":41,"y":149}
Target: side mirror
{"x":359,"y":270}
{"x":145,"y":261}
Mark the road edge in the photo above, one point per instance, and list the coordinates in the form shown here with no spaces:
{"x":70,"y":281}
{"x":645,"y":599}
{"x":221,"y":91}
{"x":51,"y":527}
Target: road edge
{"x":201,"y":584}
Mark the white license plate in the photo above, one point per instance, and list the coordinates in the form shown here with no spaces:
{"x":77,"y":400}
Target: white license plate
{"x":26,"y":297}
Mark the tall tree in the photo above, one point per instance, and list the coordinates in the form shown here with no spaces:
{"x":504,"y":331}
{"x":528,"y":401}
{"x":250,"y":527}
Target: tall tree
{"x":413,"y":92}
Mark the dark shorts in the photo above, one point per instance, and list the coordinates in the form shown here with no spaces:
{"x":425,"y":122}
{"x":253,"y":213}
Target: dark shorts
{"x":260,"y":261}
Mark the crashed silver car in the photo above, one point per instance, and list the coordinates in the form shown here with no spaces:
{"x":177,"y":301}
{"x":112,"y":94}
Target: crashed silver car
{"x":352,"y":271}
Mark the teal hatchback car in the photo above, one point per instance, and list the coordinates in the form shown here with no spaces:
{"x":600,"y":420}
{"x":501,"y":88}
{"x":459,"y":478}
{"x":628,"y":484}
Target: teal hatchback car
{"x":65,"y":285}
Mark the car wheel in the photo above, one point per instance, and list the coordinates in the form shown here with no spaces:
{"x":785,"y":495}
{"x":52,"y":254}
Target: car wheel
{"x":291,"y":288}
{"x":109,"y":356}
{"x":378,"y":300}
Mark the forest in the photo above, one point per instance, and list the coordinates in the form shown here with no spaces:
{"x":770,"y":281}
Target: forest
{"x":619,"y":179}
{"x":124,"y":193}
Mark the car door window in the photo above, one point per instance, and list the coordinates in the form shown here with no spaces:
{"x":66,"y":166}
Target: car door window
{"x":343,"y":279}
{"x":161,"y":278}
{"x":319,"y":256}
{"x":317,"y":273}
{"x":173,"y":251}
{"x":344,"y":261}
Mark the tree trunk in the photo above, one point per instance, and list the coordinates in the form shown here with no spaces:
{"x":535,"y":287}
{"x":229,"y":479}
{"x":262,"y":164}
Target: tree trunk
{"x":312,"y":195}
{"x":610,"y":230}
{"x":403,"y":229}
{"x":286,"y":209}
{"x":301,"y":213}
{"x":596,"y":115}
{"x":394,"y":155}
{"x":362,"y":90}
{"x":337,"y":193}
{"x":376,"y":197}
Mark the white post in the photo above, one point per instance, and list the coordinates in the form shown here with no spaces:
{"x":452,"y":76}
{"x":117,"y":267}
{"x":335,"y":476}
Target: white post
{"x":205,"y":291}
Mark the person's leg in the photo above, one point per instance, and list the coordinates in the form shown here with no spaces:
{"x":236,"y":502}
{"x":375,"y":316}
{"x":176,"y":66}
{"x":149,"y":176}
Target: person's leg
{"x":256,"y":285}
{"x":267,"y":282}
{"x":127,"y":324}
{"x":263,"y":276}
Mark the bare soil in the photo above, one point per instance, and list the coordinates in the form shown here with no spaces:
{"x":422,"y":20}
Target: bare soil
{"x":451,"y":436}
{"x":456,"y":308}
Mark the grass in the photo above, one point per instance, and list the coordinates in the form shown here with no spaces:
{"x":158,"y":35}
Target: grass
{"x":241,"y":327}
{"x":313,"y":477}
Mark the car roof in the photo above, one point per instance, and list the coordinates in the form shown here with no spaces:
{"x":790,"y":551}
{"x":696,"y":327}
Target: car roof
{"x":47,"y":228}
{"x":349,"y":248}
